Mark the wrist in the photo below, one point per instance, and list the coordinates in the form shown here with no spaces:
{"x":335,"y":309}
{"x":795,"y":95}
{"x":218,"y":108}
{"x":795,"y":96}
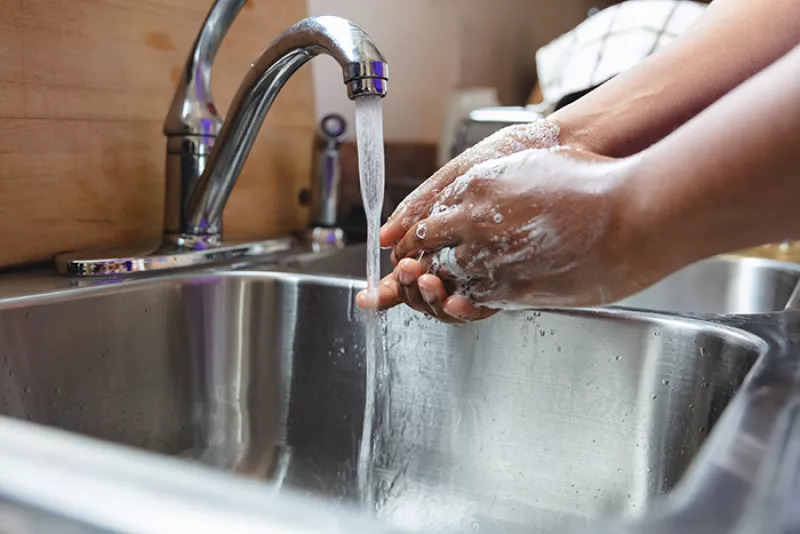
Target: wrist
{"x":657,"y":233}
{"x":579,"y":129}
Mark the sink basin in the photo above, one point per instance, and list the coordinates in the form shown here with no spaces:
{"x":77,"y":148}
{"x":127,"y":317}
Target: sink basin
{"x":529,"y":421}
{"x":721,"y":285}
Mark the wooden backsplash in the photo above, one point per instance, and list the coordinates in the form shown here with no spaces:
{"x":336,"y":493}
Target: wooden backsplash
{"x":84,"y":87}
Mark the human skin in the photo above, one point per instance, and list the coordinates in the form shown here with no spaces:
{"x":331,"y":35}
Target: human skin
{"x":728,"y":179}
{"x":622,"y":117}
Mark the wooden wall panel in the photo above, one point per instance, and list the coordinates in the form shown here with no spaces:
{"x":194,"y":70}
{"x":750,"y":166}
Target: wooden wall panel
{"x":84,"y":86}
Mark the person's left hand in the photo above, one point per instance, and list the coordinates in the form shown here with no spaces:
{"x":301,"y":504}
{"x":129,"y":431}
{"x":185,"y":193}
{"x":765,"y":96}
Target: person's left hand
{"x":537,"y":228}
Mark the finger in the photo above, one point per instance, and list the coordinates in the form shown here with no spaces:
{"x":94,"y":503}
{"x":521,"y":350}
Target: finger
{"x":394,"y":230}
{"x":407,"y":273}
{"x":391,"y":233}
{"x":451,"y":195}
{"x":411,"y":205}
{"x":432,"y":233}
{"x":512,"y":139}
{"x":408,"y":270}
{"x":423,"y":292}
{"x":389,"y":295}
{"x":417,"y":205}
{"x":463,"y":310}
{"x":434,"y":293}
{"x":451,"y":263}
{"x":409,"y":290}
{"x":411,"y":210}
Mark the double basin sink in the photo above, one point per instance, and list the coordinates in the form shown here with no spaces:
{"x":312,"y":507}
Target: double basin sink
{"x":532,"y":421}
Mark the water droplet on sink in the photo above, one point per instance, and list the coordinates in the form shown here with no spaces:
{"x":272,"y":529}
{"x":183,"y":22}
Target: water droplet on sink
{"x":618,"y":358}
{"x":654,"y":397}
{"x":552,"y":331}
{"x":542,"y":333}
{"x":665,"y":382}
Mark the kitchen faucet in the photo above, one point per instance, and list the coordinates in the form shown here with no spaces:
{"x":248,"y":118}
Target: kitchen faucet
{"x":205,"y":155}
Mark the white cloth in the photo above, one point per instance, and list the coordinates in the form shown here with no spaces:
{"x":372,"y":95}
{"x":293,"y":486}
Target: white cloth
{"x":610,"y":42}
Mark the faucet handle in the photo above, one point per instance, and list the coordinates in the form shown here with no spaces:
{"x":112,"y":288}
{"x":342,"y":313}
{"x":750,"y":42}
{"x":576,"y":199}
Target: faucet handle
{"x":192,"y":112}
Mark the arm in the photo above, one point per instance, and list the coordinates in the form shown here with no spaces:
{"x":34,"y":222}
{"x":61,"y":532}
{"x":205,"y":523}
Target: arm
{"x":733,"y":40}
{"x":728,"y":179}
{"x":577,"y":229}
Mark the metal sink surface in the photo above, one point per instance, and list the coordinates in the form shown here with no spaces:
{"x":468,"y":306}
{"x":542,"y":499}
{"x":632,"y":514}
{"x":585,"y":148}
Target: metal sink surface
{"x":530,"y":421}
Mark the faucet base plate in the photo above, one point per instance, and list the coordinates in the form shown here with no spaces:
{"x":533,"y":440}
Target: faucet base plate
{"x":144,"y":258}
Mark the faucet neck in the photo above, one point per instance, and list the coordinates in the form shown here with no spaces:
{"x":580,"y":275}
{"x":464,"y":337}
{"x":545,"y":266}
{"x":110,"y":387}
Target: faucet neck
{"x":192,"y":122}
{"x":365,"y":73}
{"x":205,"y":155}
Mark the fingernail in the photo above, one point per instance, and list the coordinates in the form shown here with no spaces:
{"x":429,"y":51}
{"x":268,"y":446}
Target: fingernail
{"x":427,"y":294}
{"x":404,"y":277}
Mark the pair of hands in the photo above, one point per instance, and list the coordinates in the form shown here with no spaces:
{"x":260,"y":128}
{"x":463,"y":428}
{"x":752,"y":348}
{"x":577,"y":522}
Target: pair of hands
{"x":519,"y":220}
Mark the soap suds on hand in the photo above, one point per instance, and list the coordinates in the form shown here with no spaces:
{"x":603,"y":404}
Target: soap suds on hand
{"x":528,"y":223}
{"x":540,"y":134}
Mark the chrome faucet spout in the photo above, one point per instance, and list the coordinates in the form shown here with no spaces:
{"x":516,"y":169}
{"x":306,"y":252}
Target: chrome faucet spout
{"x":201,"y":169}
{"x":205,"y":176}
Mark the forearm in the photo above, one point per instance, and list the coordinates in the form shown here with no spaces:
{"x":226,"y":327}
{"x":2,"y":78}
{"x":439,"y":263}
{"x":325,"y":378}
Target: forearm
{"x":732,"y":41}
{"x":728,"y":179}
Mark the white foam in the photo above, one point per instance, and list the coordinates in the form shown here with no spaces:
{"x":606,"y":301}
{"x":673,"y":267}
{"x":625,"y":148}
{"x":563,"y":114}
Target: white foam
{"x":570,"y":203}
{"x":542,"y":134}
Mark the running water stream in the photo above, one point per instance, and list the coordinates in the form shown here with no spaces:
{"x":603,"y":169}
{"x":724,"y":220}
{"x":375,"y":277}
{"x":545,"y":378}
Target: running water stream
{"x":369,"y":129}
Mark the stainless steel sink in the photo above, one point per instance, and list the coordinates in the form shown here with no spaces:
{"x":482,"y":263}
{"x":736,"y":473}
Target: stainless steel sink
{"x":721,"y":285}
{"x":527,"y":422}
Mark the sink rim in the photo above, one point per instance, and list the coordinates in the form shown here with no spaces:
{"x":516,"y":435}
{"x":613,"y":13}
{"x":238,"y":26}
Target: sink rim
{"x":18,"y":287}
{"x":630,"y":315}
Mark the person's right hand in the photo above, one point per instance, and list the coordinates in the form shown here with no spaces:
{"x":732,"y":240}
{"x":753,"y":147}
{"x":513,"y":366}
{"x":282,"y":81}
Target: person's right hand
{"x":540,"y":134}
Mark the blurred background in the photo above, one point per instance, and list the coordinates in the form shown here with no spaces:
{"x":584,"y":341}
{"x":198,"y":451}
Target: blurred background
{"x":85,"y":84}
{"x":437,"y":46}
